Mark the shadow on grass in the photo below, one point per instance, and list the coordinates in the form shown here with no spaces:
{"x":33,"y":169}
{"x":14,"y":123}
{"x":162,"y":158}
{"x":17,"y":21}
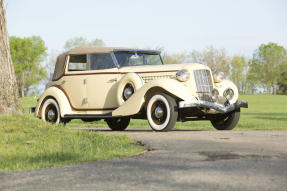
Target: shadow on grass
{"x":269,"y":116}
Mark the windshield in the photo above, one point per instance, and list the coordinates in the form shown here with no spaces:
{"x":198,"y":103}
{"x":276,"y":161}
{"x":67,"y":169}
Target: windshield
{"x":136,"y":59}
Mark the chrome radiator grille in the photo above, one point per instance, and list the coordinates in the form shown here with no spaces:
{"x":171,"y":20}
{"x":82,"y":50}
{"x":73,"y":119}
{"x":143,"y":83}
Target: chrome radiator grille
{"x":146,"y":79}
{"x":203,"y":81}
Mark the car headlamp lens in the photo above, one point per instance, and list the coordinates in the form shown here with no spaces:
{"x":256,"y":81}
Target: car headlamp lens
{"x":218,"y":77}
{"x":214,"y":95}
{"x":228,"y":94}
{"x":182,"y":75}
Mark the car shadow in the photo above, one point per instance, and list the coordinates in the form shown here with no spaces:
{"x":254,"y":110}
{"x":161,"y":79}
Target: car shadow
{"x":133,"y":130}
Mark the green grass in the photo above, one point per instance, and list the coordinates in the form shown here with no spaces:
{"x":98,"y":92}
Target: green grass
{"x":26,"y":143}
{"x":265,"y":112}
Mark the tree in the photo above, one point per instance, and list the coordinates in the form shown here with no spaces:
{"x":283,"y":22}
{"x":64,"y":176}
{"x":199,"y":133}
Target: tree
{"x":8,"y":87}
{"x":268,"y":64}
{"x":27,"y":55}
{"x":82,"y":42}
{"x":239,"y":72}
{"x":212,"y":57}
{"x":178,"y":58}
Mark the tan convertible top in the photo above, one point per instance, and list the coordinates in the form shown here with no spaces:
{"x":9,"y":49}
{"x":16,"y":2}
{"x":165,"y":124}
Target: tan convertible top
{"x":61,"y":59}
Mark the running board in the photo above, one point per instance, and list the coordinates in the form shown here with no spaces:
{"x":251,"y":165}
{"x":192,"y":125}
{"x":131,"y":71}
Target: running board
{"x":89,"y":116}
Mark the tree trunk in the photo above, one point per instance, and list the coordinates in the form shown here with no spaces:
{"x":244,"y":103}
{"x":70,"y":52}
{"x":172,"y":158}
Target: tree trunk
{"x":22,"y":84}
{"x":274,"y":88}
{"x":8,"y":87}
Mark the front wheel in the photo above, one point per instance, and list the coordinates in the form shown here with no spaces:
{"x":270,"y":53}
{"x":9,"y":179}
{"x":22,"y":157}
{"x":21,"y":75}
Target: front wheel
{"x":118,"y":124}
{"x":227,"y":122}
{"x":161,"y":112}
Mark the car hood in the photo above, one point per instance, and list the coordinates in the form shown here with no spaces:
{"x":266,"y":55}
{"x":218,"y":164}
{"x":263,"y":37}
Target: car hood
{"x":162,"y":68}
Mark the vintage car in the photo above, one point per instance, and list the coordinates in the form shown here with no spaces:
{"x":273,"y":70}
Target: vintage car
{"x":117,"y":84}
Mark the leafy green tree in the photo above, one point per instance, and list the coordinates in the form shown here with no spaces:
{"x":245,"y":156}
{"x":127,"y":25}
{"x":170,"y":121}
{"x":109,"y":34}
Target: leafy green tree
{"x":82,"y":42}
{"x":27,"y":55}
{"x":268,"y":64}
{"x":214,"y":58}
{"x":239,"y":72}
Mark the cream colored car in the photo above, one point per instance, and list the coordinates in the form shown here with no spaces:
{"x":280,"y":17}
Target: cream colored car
{"x":117,"y":84}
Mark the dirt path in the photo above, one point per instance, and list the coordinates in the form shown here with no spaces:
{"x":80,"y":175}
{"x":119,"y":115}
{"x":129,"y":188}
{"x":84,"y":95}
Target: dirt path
{"x":178,"y":160}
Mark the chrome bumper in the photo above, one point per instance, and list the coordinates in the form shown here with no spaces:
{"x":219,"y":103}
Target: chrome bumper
{"x":210,"y":105}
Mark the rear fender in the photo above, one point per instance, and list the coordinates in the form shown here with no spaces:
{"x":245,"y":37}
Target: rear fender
{"x":59,"y":96}
{"x":134,"y":104}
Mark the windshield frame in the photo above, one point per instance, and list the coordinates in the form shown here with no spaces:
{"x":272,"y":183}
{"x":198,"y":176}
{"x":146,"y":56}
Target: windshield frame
{"x":137,"y":52}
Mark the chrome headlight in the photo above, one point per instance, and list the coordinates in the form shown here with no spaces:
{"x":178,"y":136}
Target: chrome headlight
{"x":228,"y":93}
{"x":182,"y":75}
{"x":214,"y":95}
{"x":218,"y":77}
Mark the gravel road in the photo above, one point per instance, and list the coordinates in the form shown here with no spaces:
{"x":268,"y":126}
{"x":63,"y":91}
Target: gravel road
{"x":177,"y":160}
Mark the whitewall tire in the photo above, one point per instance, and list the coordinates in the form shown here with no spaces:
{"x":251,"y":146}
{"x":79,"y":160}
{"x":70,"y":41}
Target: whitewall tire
{"x":51,"y":111}
{"x":161,"y":112}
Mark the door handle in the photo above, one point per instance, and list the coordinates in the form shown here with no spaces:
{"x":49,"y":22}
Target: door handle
{"x":63,"y":82}
{"x":113,"y":80}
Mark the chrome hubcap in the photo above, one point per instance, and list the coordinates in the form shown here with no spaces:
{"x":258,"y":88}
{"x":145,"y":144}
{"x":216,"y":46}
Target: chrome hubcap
{"x":51,"y":114}
{"x":127,"y":93}
{"x":158,"y":112}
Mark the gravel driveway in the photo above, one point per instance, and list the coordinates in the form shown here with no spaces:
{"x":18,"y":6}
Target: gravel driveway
{"x":177,"y":160}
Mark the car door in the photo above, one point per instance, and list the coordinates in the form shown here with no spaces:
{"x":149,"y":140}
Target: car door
{"x":102,"y":82}
{"x":74,"y":82}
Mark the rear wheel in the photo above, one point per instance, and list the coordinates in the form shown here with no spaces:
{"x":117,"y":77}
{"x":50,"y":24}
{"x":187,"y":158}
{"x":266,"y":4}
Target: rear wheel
{"x":118,"y":124}
{"x":51,"y":111}
{"x":227,"y":122}
{"x":161,"y":112}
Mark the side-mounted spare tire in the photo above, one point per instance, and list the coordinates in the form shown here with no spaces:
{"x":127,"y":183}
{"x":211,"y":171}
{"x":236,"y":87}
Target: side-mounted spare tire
{"x":127,"y":86}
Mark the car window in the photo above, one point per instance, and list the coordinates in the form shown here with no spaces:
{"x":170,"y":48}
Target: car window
{"x":135,"y":59}
{"x":153,"y":59}
{"x":101,"y":61}
{"x":78,"y":63}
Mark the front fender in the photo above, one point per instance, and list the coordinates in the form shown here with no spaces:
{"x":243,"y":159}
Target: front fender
{"x":135,"y":102}
{"x":59,"y":96}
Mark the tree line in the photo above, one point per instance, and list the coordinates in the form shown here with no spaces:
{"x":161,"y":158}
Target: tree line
{"x":264,"y":72}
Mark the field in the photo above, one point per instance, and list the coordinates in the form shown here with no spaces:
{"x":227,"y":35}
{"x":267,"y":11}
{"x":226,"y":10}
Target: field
{"x":26,"y":143}
{"x":265,"y":112}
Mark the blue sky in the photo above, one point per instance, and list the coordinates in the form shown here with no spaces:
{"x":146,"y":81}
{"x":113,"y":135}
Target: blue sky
{"x":178,"y":25}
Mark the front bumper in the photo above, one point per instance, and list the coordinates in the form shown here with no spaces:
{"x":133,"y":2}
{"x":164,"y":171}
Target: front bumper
{"x":210,"y":105}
